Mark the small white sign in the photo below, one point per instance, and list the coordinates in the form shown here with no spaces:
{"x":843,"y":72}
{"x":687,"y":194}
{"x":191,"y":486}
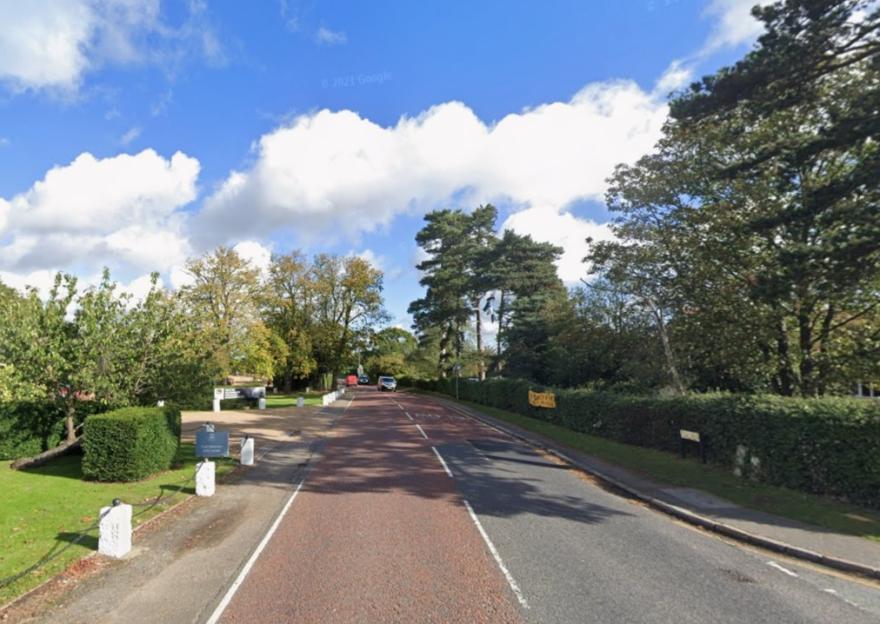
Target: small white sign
{"x":693,"y":436}
{"x":218,"y":393}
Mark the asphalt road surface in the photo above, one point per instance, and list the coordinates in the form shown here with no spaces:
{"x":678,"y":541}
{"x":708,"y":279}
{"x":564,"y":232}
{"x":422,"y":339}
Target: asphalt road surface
{"x":417,"y":513}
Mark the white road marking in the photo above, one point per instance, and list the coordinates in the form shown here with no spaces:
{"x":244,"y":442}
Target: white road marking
{"x":773,"y":564}
{"x":442,"y":461}
{"x":510,"y":580}
{"x":834,"y":592}
{"x":408,"y":416}
{"x":422,"y":431}
{"x":215,"y":617}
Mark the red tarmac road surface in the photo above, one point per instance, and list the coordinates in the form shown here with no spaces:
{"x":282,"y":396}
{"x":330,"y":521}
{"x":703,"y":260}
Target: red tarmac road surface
{"x":379,"y":532}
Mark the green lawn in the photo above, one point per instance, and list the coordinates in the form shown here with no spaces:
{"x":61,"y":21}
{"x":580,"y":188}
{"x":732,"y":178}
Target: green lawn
{"x":670,"y":469}
{"x":289,"y":400}
{"x":44,"y":508}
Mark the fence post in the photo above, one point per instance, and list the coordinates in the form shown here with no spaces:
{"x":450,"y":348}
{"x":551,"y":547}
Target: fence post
{"x":247,"y":451}
{"x":114,"y":530}
{"x":205,"y":478}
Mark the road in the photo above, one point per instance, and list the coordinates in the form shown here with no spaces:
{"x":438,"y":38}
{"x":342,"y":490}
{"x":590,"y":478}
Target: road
{"x":417,"y":513}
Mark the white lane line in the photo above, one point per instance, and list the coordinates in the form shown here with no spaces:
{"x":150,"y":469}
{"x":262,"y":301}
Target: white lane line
{"x":408,"y":416}
{"x":773,"y":564}
{"x":422,"y":431}
{"x":835,"y":593}
{"x":442,"y":461}
{"x":510,"y":580}
{"x":215,"y":617}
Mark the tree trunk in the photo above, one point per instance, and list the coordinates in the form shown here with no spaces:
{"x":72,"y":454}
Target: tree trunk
{"x":481,"y":370}
{"x":69,"y":425}
{"x":667,"y":347}
{"x":45,"y":456}
{"x":498,"y":363}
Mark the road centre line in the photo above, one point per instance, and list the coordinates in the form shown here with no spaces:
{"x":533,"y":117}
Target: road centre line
{"x":442,"y":461}
{"x":408,"y":416}
{"x":773,"y":564}
{"x":227,"y":598}
{"x":422,"y":431}
{"x":507,"y":575}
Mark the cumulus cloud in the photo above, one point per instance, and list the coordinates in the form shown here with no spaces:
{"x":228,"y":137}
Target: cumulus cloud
{"x":120,"y":211}
{"x":734,"y":24}
{"x":339,"y":173}
{"x":550,"y":225}
{"x":45,"y":44}
{"x":256,"y":253}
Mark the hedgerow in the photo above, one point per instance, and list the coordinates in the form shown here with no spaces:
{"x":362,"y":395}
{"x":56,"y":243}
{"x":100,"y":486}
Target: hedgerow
{"x":131,"y":443}
{"x":825,"y":445}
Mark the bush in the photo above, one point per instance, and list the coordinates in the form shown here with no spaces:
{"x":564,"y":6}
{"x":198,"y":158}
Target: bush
{"x":29,"y":427}
{"x":131,"y":443}
{"x":825,"y":446}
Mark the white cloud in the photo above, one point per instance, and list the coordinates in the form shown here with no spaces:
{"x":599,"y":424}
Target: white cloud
{"x":677,"y":75}
{"x":120,"y":212}
{"x":47,"y":44}
{"x":130,"y":135}
{"x":330,"y":37}
{"x":550,"y":225}
{"x":256,"y":253}
{"x":336,"y":173}
{"x":734,"y":24}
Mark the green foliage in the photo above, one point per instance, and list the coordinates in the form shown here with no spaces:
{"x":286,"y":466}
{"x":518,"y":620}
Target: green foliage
{"x":29,"y":427}
{"x":130,"y":444}
{"x":822,"y":446}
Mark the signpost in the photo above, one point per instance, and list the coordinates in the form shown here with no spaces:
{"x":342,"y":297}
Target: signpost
{"x":209,"y":443}
{"x":692,"y":436}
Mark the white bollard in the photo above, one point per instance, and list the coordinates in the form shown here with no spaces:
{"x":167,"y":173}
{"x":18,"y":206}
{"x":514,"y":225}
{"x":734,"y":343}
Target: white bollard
{"x":247,"y":451}
{"x":216,"y":405}
{"x":261,"y":403}
{"x":114,"y":538}
{"x":300,"y":402}
{"x":205,"y":478}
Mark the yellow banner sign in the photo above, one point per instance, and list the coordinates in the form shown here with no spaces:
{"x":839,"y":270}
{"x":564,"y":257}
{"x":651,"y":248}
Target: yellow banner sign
{"x":542,"y":399}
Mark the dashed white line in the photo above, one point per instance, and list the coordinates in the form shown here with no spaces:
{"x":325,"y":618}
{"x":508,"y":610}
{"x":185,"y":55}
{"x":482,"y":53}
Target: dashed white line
{"x":835,"y":593}
{"x":510,"y":580}
{"x":408,"y":416}
{"x":215,"y":617}
{"x":442,"y":461}
{"x":773,"y":564}
{"x":422,"y":431}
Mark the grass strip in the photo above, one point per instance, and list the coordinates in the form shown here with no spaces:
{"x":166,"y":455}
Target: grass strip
{"x":46,"y":507}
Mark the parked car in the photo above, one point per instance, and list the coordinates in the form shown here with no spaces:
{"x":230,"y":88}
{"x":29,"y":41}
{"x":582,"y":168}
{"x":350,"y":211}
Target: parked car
{"x":364,"y":380}
{"x":351,"y":380}
{"x":387,"y":383}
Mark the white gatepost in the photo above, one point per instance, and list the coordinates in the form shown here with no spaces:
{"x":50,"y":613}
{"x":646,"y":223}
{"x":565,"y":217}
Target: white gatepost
{"x":216,"y":405}
{"x":261,"y":403}
{"x":300,"y":401}
{"x":205,"y":478}
{"x":114,"y":537}
{"x":247,"y":451}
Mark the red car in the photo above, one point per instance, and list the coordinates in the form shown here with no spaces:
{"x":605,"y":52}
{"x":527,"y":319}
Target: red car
{"x":351,"y":380}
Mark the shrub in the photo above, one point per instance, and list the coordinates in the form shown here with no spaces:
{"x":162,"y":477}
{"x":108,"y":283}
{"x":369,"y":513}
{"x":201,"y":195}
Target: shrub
{"x":131,"y":443}
{"x":29,"y":427}
{"x":827,"y":445}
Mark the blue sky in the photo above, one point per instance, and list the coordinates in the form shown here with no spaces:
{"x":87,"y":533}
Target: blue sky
{"x":137,"y":133}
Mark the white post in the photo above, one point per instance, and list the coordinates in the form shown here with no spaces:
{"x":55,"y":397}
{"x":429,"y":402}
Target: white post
{"x":205,"y":478}
{"x":216,"y":405}
{"x":261,"y":403}
{"x":300,"y":402}
{"x":114,"y":537}
{"x":247,"y":451}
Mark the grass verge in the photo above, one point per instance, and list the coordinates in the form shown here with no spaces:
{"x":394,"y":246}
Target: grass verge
{"x":670,"y":469}
{"x":289,"y":400}
{"x":44,"y":508}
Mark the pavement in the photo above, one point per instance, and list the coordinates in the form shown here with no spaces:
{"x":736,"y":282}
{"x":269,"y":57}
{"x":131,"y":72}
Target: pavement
{"x":846,"y":552}
{"x":411,"y":510}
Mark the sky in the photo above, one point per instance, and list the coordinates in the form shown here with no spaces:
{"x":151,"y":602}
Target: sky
{"x":135,"y":134}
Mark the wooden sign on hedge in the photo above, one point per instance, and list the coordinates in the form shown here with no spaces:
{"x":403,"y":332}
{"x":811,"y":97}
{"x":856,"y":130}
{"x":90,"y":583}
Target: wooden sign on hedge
{"x":542,"y":399}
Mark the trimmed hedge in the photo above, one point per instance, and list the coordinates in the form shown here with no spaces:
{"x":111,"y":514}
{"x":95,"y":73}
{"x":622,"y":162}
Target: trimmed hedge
{"x":826,"y":445}
{"x":131,"y":443}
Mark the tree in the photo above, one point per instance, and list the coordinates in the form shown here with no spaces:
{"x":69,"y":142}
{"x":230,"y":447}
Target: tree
{"x":223,"y":296}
